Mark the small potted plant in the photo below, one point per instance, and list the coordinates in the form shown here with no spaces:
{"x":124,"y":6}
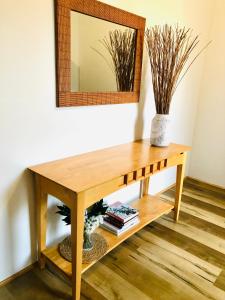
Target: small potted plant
{"x":93,"y":217}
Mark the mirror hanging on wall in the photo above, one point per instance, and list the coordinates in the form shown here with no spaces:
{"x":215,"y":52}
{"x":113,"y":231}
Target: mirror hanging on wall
{"x":102,"y":55}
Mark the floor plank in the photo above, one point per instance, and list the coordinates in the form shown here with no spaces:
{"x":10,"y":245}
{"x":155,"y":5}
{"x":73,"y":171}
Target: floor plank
{"x":175,"y":254}
{"x":196,"y":278}
{"x":5,"y":294}
{"x":192,"y":246}
{"x":217,"y":202}
{"x":113,"y":284}
{"x":195,"y":184}
{"x":204,"y":190}
{"x":150,"y":278}
{"x":203,"y":214}
{"x":199,"y":203}
{"x":220,"y":282}
{"x":38,"y":285}
{"x":201,"y":236}
{"x":202,"y":224}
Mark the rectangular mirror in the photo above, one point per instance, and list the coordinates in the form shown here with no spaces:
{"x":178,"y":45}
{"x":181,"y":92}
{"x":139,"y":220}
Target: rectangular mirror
{"x":98,"y":53}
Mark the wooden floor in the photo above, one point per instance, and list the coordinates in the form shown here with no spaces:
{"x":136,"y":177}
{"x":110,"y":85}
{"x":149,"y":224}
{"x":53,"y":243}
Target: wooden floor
{"x":165,"y":260}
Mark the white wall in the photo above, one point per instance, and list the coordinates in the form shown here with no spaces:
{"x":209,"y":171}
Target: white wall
{"x":33,"y":130}
{"x":208,"y":155}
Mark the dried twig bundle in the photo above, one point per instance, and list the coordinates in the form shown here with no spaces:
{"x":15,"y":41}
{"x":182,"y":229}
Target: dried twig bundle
{"x":169,"y":49}
{"x":121,"y":47}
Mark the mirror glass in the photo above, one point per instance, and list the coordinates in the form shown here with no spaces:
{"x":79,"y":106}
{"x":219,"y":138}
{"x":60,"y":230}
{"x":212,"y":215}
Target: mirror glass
{"x":102,"y":55}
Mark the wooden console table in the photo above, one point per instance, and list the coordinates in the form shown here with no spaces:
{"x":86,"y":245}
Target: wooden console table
{"x":82,"y":180}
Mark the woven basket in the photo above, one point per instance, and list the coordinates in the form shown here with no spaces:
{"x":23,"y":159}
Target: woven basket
{"x":100,"y":247}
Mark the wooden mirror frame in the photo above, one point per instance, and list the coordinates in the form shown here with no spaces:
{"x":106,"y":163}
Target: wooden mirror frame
{"x":94,"y":8}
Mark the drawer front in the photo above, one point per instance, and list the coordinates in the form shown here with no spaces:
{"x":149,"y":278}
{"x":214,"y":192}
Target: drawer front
{"x":96,"y":193}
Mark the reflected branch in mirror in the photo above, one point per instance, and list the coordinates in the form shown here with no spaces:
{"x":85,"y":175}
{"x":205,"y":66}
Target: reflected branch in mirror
{"x":121,"y":46}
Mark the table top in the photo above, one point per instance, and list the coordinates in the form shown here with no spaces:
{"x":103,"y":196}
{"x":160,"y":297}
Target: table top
{"x":81,"y":172}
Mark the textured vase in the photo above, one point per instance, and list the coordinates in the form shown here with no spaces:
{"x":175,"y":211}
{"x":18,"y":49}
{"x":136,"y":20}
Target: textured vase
{"x":160,"y":131}
{"x":87,"y":245}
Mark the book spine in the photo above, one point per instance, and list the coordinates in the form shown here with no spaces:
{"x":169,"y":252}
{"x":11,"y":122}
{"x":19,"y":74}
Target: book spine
{"x":121,"y":219}
{"x":115,"y":216}
{"x":117,"y":231}
{"x":116,"y":222}
{"x":129,"y":227}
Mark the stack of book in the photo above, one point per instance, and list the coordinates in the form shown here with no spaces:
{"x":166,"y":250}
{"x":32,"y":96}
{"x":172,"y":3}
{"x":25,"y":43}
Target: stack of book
{"x":120,"y":217}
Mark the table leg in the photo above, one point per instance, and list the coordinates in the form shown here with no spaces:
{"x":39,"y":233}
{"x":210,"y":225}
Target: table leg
{"x":77,"y":228}
{"x":144,"y":185}
{"x":179,"y":188}
{"x":41,"y":199}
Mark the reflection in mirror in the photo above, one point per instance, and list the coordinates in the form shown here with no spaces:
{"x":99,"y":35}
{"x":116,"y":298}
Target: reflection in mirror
{"x":102,"y":55}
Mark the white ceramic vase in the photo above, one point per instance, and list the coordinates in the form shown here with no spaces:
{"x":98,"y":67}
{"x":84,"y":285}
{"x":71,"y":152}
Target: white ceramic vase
{"x":160,"y":131}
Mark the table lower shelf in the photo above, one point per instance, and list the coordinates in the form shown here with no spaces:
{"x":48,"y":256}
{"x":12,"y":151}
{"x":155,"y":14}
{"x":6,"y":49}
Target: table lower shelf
{"x":150,"y":208}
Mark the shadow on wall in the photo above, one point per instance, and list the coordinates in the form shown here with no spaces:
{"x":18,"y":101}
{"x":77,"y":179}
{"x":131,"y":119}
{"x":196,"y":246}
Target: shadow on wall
{"x":21,"y":225}
{"x":57,"y":230}
{"x":21,"y":237}
{"x":139,"y":123}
